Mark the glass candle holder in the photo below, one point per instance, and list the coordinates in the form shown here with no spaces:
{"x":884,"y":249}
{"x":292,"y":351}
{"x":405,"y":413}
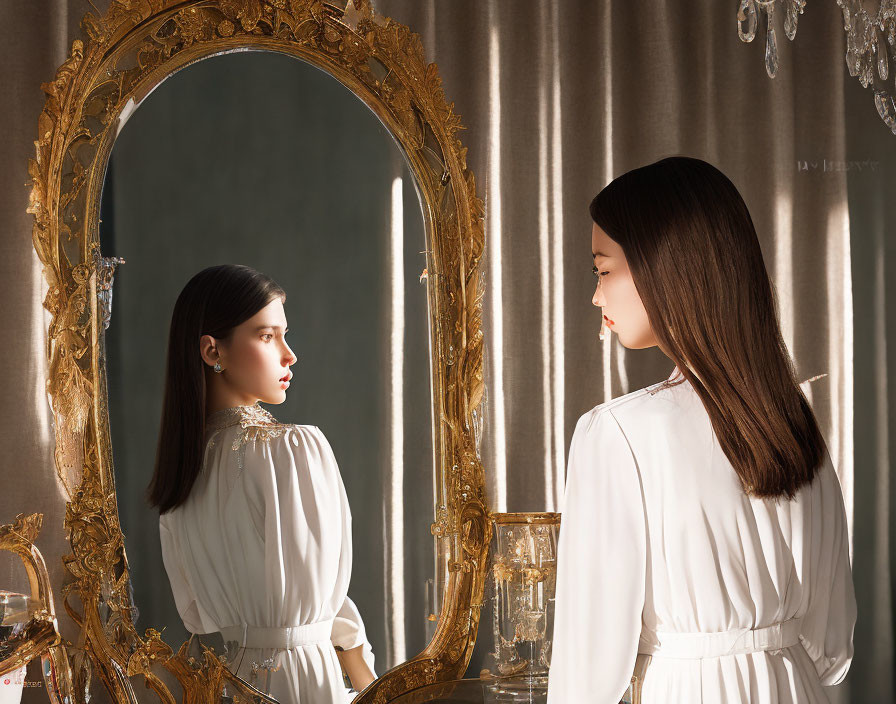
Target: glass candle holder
{"x":522,"y":576}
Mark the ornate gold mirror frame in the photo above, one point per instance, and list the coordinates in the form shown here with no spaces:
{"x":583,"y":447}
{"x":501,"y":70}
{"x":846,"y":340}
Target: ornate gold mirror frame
{"x":124,"y":56}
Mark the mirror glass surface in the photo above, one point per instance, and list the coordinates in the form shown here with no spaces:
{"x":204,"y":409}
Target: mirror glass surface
{"x":261,"y":159}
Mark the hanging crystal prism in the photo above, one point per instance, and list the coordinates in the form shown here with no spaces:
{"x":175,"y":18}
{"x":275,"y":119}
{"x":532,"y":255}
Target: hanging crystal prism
{"x":747,"y":20}
{"x":886,"y":108}
{"x":866,"y":55}
{"x":790,"y":19}
{"x":771,"y":45}
{"x":883,"y":64}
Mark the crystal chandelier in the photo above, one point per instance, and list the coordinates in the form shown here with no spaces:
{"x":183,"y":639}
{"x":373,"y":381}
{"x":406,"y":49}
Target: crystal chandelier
{"x":867,"y":37}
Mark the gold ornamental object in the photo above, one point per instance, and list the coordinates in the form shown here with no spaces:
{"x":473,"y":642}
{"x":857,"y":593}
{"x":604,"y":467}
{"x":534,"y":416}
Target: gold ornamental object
{"x":123,"y":56}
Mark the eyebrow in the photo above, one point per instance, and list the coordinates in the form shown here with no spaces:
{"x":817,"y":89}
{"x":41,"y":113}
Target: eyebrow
{"x":594,"y":255}
{"x":268,"y":327}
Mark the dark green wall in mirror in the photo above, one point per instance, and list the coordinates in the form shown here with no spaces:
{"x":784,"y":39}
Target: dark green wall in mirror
{"x":260,"y":159}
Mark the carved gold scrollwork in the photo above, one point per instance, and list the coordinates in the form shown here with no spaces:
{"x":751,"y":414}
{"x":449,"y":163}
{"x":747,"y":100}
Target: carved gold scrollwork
{"x":123,"y":56}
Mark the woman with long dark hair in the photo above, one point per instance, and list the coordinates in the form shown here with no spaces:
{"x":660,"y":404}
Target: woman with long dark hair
{"x":703,"y":544}
{"x":255,"y":524}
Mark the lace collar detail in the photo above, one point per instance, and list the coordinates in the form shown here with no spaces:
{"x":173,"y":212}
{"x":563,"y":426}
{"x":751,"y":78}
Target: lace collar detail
{"x":239,"y":415}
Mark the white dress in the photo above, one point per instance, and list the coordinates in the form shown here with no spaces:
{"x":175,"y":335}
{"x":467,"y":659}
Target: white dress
{"x":261,"y":551}
{"x":660,"y":552}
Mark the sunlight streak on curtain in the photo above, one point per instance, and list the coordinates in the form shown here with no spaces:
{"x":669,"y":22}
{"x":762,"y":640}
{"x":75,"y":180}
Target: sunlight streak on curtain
{"x":544,"y":265}
{"x":558,"y":372}
{"x":782,"y":271}
{"x":395,"y":576}
{"x":495,"y":381}
{"x":838,"y":270}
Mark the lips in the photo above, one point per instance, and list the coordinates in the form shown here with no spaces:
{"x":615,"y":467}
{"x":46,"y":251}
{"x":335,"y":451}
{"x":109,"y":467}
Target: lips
{"x":287,"y":377}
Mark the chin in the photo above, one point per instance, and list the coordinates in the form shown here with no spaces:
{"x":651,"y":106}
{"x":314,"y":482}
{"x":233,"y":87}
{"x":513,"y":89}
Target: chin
{"x":637,"y":345}
{"x":625,"y":342}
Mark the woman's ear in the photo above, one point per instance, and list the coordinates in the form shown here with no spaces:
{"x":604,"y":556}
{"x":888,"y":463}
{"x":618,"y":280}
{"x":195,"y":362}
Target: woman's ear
{"x":208,"y":350}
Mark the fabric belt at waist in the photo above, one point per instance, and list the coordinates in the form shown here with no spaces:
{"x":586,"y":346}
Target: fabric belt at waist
{"x":711,"y":645}
{"x":278,"y":636}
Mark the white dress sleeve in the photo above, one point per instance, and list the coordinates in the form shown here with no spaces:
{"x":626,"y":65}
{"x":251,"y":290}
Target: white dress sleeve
{"x":348,"y":632}
{"x":829,"y":622}
{"x":184,"y":598}
{"x":294,"y":488}
{"x":601,"y":567}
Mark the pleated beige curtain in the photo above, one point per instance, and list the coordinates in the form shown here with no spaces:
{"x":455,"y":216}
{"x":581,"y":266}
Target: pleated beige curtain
{"x":558,"y":98}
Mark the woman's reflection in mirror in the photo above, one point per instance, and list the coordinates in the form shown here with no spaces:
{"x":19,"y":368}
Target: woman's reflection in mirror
{"x":254,"y":522}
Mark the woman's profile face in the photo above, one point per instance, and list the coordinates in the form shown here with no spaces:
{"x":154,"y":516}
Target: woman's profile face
{"x":256,"y":359}
{"x":615,"y":293}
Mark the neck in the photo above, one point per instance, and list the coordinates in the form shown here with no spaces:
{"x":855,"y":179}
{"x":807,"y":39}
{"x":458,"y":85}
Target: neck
{"x":218,"y":398}
{"x":677,"y":372}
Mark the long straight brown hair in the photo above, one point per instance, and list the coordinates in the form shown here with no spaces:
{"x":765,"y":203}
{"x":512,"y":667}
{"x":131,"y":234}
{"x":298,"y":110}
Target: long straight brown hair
{"x":697,"y":264}
{"x":213,"y":302}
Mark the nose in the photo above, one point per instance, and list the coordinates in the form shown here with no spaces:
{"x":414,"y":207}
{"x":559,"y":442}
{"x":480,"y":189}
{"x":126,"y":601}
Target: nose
{"x":598,"y":297}
{"x":290,"y":356}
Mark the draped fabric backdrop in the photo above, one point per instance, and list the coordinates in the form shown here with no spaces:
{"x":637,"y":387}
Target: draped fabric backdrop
{"x":559,"y":98}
